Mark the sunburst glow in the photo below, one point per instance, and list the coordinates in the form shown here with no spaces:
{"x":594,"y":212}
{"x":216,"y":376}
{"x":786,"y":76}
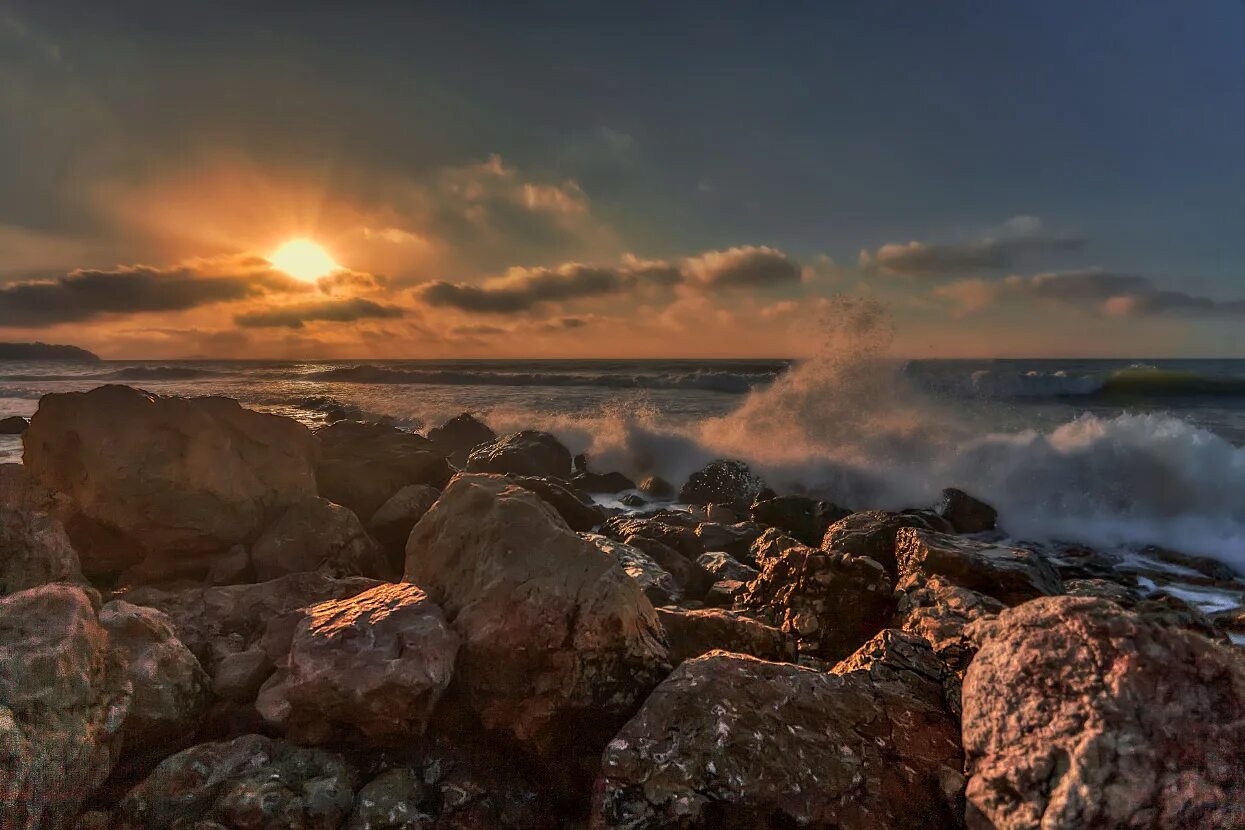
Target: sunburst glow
{"x":303,"y":259}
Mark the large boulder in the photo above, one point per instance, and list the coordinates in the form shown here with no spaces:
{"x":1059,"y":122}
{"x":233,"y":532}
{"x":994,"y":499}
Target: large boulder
{"x":34,"y":550}
{"x":681,"y":538}
{"x":721,"y":565}
{"x":372,"y":666}
{"x":393,"y":520}
{"x":526,"y":453}
{"x":659,"y":587}
{"x":940,"y":611}
{"x":363,"y":465}
{"x":314,"y":534}
{"x":871,"y":533}
{"x":803,"y":518}
{"x":966,"y":513}
{"x":164,"y":478}
{"x":729,"y":741}
{"x":558,"y":641}
{"x":693,"y":633}
{"x":1010,"y":575}
{"x":830,"y":602}
{"x":171,"y":689}
{"x":63,"y":699}
{"x":457,"y":437}
{"x":722,"y":482}
{"x":1078,"y":713}
{"x":248,"y":782}
{"x":576,"y":509}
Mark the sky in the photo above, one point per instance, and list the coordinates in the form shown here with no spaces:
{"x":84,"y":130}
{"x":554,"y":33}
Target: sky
{"x":622,"y":180}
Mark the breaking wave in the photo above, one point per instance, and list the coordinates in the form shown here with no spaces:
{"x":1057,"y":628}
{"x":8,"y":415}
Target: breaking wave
{"x":1138,"y":383}
{"x":705,"y":380}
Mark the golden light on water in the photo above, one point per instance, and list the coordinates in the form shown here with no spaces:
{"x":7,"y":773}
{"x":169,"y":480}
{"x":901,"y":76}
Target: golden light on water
{"x":303,"y":259}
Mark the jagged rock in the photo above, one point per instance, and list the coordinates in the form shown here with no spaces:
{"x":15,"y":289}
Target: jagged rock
{"x":940,"y":612}
{"x":34,"y":550}
{"x":1155,"y":606}
{"x":371,"y":666}
{"x":170,"y":687}
{"x":693,"y":633}
{"x":315,"y":534}
{"x":721,"y":565}
{"x":578,"y":510}
{"x":217,"y":621}
{"x":457,"y":437}
{"x":871,"y":533}
{"x":722,"y":482}
{"x":393,"y":520}
{"x":558,"y":641}
{"x":735,"y":539}
{"x":771,"y":545}
{"x":633,"y":500}
{"x":13,"y":425}
{"x":391,"y":801}
{"x":1010,"y":575}
{"x":659,"y":587}
{"x":526,"y":453}
{"x":693,"y":580}
{"x":656,"y":487}
{"x":906,"y":662}
{"x":251,"y":782}
{"x":682,"y":539}
{"x":162,"y":478}
{"x":1080,"y":714}
{"x":607,"y":483}
{"x":965,"y":513}
{"x":724,"y":592}
{"x":830,"y":602}
{"x":363,"y":465}
{"x":803,"y":518}
{"x":63,"y":699}
{"x":729,"y":741}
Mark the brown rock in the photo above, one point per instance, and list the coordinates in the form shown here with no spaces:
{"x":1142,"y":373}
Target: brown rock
{"x":693,"y":633}
{"x":166,"y":476}
{"x":526,"y":453}
{"x":372,"y":666}
{"x":656,"y":487}
{"x":871,"y":533}
{"x":363,"y":465}
{"x":558,"y":642}
{"x":1080,"y":714}
{"x":940,"y":612}
{"x":722,"y":482}
{"x":659,"y":587}
{"x":457,"y":437}
{"x":314,"y":534}
{"x":724,"y":566}
{"x":803,"y":518}
{"x":659,"y":529}
{"x":693,"y":580}
{"x":606,"y":483}
{"x":735,"y":539}
{"x":1010,"y":575}
{"x":393,"y":520}
{"x":576,"y":509}
{"x":729,"y":741}
{"x":965,"y":513}
{"x":34,"y":550}
{"x":63,"y":699}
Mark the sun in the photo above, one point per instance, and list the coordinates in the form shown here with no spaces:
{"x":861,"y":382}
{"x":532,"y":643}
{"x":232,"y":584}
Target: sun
{"x":303,"y":259}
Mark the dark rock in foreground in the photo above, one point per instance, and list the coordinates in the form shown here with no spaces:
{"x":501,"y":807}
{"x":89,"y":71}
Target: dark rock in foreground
{"x":363,"y":465}
{"x":457,"y":437}
{"x":965,"y":513}
{"x":871,"y":533}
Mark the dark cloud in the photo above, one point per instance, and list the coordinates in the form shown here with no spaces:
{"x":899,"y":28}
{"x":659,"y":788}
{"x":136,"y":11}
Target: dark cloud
{"x":344,"y":279}
{"x":522,"y":289}
{"x":88,"y":293}
{"x":330,"y":311}
{"x":922,"y":259}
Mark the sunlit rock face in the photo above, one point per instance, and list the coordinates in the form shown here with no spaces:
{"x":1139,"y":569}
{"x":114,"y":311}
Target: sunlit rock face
{"x":558,"y":641}
{"x":368,"y":668}
{"x":64,"y":696}
{"x":162,"y":478}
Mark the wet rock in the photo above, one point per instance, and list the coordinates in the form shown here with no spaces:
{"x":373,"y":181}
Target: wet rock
{"x":526,"y":453}
{"x":34,"y":550}
{"x":577,"y":509}
{"x":682,"y":539}
{"x":724,"y":593}
{"x":363,"y":465}
{"x":729,"y":741}
{"x":170,"y":687}
{"x":965,"y":513}
{"x":735,"y":539}
{"x":63,"y":700}
{"x":315,"y":534}
{"x":633,"y":500}
{"x":558,"y":641}
{"x":1010,"y":575}
{"x":1155,"y":606}
{"x":1080,"y":714}
{"x":13,"y":425}
{"x":391,"y":524}
{"x":830,"y":602}
{"x":693,"y":580}
{"x":721,"y":565}
{"x":656,"y":487}
{"x":871,"y":533}
{"x":940,"y":611}
{"x":370,"y":667}
{"x":722,"y":482}
{"x":659,"y":587}
{"x":391,"y":801}
{"x":908,"y":665}
{"x":693,"y":633}
{"x":771,"y":545}
{"x":607,"y":483}
{"x":457,"y":437}
{"x":251,"y":781}
{"x":162,"y":478}
{"x":803,"y":518}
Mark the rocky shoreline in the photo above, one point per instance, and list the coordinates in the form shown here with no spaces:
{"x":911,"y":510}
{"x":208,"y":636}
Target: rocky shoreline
{"x":216,"y":618}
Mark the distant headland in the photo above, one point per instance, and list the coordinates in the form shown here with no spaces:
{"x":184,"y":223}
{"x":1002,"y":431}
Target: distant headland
{"x":44,"y":351}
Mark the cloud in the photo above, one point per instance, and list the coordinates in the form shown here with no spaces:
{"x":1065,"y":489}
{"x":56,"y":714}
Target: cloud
{"x":1101,"y":292}
{"x":522,"y":289}
{"x":1023,"y":238}
{"x":329,"y":311}
{"x":86,"y":294}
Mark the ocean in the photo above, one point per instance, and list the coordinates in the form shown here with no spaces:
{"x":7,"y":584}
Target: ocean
{"x":1101,"y":452}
